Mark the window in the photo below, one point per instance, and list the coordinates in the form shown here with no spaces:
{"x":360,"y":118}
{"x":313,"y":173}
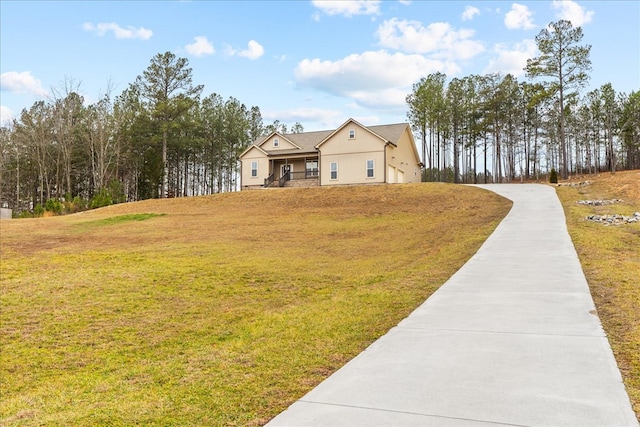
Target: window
{"x":254,"y":169}
{"x":312,"y":168}
{"x":276,"y":142}
{"x":352,"y":134}
{"x":334,"y":171}
{"x":370,"y":169}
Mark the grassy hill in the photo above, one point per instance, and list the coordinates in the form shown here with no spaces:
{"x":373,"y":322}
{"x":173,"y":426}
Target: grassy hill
{"x":217,"y":310}
{"x":223,"y":310}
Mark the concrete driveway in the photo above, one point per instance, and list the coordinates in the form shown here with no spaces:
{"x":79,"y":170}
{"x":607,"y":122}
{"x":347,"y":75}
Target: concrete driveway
{"x":512,"y":338}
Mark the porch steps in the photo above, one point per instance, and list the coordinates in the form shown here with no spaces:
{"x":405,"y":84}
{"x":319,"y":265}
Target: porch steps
{"x":311,"y":182}
{"x":297,"y":183}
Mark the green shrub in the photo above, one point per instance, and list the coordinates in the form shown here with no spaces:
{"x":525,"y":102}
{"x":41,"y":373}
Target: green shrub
{"x":53,"y":206}
{"x":38,"y":210}
{"x":28,"y":214}
{"x":110,"y":195}
{"x":103,"y":198}
{"x":553,"y":177}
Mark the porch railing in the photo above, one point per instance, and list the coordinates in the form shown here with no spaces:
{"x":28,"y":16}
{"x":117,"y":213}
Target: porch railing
{"x":286,"y":177}
{"x":269,"y":180}
{"x":308,"y":174}
{"x":289,"y":176}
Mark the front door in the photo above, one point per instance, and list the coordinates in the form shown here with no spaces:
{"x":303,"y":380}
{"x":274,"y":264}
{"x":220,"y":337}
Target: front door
{"x":284,"y":169}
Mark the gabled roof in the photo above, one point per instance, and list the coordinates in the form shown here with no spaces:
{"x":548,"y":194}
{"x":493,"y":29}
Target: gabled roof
{"x":275,"y":133}
{"x":251,"y":147}
{"x":309,"y":142}
{"x":387,"y":133}
{"x":306,"y":141}
{"x":391,"y":133}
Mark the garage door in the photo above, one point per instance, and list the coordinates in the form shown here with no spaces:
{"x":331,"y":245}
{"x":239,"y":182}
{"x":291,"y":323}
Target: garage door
{"x":391,"y":175}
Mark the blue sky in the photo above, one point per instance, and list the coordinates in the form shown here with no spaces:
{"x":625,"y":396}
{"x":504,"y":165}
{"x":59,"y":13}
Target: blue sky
{"x":316,"y":62}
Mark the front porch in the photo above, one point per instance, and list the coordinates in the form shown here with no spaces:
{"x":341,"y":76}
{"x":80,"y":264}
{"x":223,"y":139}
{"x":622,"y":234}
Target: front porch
{"x":293,"y":173}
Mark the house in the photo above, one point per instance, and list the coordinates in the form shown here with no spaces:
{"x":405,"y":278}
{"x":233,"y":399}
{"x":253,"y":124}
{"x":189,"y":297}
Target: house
{"x":350,"y":154}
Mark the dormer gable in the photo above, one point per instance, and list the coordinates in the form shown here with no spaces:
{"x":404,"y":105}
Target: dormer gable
{"x":350,"y":131}
{"x":252,"y":147}
{"x":277,"y":141}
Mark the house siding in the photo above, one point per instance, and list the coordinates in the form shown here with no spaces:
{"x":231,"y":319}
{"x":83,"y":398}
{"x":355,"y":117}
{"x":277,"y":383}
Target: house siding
{"x":351,"y":156}
{"x":402,"y":158}
{"x":352,"y":168}
{"x":254,"y":155}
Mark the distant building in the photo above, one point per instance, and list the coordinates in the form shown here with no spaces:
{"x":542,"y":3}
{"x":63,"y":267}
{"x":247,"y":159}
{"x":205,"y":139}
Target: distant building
{"x":350,"y":154}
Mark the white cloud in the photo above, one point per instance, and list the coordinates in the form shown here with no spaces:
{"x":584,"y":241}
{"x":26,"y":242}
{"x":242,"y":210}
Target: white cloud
{"x":519,"y":17}
{"x":375,"y":78}
{"x":119,"y":32}
{"x":439,"y":38}
{"x":469,"y":13}
{"x":405,"y":2}
{"x":572,"y":11}
{"x":382,"y":98}
{"x":512,"y":60}
{"x":23,"y":82}
{"x":348,"y":8}
{"x":254,"y":50}
{"x":6,"y":116}
{"x":201,"y":46}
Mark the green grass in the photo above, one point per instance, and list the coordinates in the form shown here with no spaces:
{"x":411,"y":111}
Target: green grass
{"x":217,"y":310}
{"x":120,"y":219}
{"x":610,"y":258}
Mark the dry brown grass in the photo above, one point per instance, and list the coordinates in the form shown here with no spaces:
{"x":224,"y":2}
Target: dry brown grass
{"x":217,"y":310}
{"x":610,"y":258}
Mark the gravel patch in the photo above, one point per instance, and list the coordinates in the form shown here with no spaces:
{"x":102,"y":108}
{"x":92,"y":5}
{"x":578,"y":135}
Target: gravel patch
{"x":614,"y":219}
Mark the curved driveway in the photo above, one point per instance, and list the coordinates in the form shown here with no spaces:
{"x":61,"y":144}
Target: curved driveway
{"x":511,"y":339}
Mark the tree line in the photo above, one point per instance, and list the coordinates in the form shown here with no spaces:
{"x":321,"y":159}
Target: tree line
{"x":162,"y":138}
{"x":494,"y":128}
{"x":159,"y":138}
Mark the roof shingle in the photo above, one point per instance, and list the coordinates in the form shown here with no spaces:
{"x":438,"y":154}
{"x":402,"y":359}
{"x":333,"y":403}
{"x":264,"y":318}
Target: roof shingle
{"x":307,"y":141}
